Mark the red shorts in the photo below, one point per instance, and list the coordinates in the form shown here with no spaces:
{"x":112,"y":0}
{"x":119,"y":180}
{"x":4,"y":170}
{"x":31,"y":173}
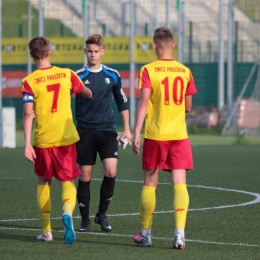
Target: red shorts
{"x":58,"y":162}
{"x":167,"y":155}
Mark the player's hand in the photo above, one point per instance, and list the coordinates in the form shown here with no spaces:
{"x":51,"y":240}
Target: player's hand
{"x":29,"y":153}
{"x":136,"y":144}
{"x":124,"y":139}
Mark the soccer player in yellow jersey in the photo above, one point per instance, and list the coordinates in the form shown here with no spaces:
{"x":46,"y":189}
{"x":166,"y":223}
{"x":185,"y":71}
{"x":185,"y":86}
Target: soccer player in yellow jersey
{"x":166,"y":87}
{"x":47,"y":97}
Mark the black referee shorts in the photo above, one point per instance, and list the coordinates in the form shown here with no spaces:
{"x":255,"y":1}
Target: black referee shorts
{"x":95,"y":141}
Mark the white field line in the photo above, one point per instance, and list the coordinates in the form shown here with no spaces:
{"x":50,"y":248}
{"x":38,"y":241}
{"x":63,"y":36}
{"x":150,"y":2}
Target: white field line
{"x":130,"y":236}
{"x":256,"y":200}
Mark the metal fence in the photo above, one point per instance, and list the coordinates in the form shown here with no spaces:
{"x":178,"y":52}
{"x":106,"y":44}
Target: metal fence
{"x":196,"y":25}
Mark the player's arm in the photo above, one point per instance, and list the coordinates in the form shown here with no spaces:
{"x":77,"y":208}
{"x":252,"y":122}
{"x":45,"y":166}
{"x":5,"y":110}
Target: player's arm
{"x":125,"y":120}
{"x":191,"y":90}
{"x":86,"y":92}
{"x":145,"y":85}
{"x":28,"y":116}
{"x":140,"y":116}
{"x":78,"y":86}
{"x":188,"y":103}
{"x":121,"y":101}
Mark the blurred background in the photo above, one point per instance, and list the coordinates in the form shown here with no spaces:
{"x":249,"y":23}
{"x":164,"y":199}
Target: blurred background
{"x":217,"y":39}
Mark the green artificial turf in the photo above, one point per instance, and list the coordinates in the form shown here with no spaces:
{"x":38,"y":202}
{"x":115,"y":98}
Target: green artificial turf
{"x":218,"y":226}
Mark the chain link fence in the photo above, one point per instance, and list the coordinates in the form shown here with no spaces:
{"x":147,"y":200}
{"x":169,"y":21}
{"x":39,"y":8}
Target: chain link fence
{"x":66,"y":21}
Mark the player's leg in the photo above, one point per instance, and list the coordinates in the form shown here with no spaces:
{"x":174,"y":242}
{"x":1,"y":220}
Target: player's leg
{"x":43,"y":168}
{"x":69,"y":201}
{"x":83,"y":196}
{"x":68,"y":196}
{"x":44,"y":205}
{"x":147,"y":207}
{"x":108,"y":152}
{"x":66,"y":171}
{"x":153,"y":157}
{"x":148,"y":199}
{"x":87,"y":153}
{"x":179,"y":159}
{"x":180,"y":206}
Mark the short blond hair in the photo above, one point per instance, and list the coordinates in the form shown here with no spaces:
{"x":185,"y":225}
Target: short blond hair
{"x":95,"y":39}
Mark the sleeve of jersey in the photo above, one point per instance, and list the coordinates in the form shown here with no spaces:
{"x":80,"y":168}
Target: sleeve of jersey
{"x":77,"y":84}
{"x":144,"y":79}
{"x":120,"y":97}
{"x":26,"y":92}
{"x":191,"y":88}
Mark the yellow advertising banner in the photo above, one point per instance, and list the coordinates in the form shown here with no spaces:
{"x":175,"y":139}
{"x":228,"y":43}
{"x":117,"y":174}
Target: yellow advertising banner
{"x":71,"y":50}
{"x":14,"y":51}
{"x":64,"y":50}
{"x":144,"y":51}
{"x":67,"y":50}
{"x":117,"y":50}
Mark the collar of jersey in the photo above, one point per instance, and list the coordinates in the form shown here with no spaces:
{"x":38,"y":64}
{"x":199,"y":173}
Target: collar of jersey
{"x":166,"y":59}
{"x":46,"y":68}
{"x":96,"y":70}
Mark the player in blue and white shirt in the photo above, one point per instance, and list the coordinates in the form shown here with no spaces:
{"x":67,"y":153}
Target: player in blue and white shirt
{"x":97,"y":130}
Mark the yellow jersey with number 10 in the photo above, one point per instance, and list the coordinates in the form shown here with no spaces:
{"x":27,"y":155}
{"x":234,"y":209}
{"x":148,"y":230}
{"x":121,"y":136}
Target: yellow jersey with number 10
{"x":170,"y":82}
{"x":50,"y":91}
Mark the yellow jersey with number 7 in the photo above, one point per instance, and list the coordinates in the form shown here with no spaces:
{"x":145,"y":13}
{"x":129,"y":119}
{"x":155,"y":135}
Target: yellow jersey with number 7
{"x":170,"y":82}
{"x":49,"y":90}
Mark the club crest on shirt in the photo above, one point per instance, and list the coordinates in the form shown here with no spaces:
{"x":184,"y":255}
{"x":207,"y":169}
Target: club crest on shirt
{"x":107,"y":81}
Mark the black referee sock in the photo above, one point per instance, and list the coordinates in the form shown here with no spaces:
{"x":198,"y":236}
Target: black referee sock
{"x":83,"y":196}
{"x":106,"y":194}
